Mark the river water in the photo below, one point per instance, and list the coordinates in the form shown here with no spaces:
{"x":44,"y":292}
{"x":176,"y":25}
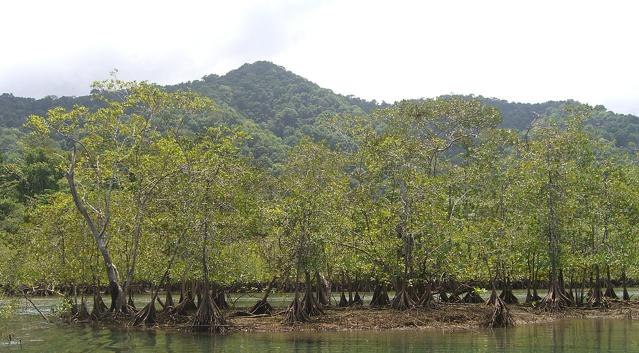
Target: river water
{"x":30,"y":333}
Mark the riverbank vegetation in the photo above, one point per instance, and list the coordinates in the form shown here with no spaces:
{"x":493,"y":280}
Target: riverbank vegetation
{"x":429,"y":199}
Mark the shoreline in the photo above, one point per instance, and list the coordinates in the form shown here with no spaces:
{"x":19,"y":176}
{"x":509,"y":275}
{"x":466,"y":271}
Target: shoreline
{"x":447,"y":317}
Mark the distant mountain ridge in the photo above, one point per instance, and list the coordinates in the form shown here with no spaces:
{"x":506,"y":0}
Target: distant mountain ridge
{"x":278,"y":107}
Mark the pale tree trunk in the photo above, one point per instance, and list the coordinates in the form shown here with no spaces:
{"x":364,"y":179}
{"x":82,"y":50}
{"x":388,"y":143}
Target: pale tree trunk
{"x":117,"y":297}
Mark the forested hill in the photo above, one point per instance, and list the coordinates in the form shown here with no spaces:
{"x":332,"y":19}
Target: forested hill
{"x":277,"y":107}
{"x":621,"y":129}
{"x":276,"y":98}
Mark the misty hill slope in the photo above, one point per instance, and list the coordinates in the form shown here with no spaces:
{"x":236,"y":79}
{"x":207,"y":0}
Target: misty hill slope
{"x":277,"y":107}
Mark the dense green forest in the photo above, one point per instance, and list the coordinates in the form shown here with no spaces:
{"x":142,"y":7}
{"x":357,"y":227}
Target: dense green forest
{"x":261,"y":178}
{"x":278,"y":108}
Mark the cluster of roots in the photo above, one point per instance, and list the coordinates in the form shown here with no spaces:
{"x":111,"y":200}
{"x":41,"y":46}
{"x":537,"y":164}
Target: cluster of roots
{"x":380,"y":297}
{"x":472,"y":297}
{"x":205,"y":316}
{"x":303,"y":310}
{"x":355,"y":300}
{"x":202,"y":307}
{"x":500,"y":316}
{"x":556,"y":300}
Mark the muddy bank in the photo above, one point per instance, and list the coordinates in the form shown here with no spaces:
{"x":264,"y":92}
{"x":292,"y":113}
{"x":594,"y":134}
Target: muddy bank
{"x":445,"y":316}
{"x":452,"y":317}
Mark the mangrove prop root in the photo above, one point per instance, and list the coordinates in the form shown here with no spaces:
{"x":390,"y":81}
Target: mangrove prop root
{"x":555,"y":300}
{"x":99,"y":308}
{"x":536,"y":297}
{"x":528,"y":299}
{"x":310,"y":305}
{"x":472,"y":297}
{"x":168,"y":299}
{"x":508,"y":297}
{"x":427,"y":300}
{"x":343,"y":302}
{"x":294,"y":313}
{"x":443,"y":297}
{"x":83,"y":313}
{"x":402,"y":300}
{"x":262,"y":307}
{"x":130,"y":303}
{"x":220,"y":300}
{"x":610,"y":292}
{"x":186,"y":303}
{"x":208,"y":316}
{"x":596,"y":299}
{"x":183,"y":308}
{"x":380,"y":297}
{"x":357,"y":300}
{"x":500,"y":316}
{"x":493,"y":297}
{"x":146,"y":316}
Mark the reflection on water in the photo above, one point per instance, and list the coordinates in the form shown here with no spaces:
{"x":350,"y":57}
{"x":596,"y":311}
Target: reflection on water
{"x":597,"y":335}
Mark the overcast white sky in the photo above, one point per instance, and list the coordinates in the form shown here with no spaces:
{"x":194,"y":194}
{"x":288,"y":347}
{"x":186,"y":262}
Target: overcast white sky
{"x":526,"y":51}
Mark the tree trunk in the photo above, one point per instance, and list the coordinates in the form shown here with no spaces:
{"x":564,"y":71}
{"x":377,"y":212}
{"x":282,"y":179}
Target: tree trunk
{"x":208,"y":316}
{"x":322,"y":289}
{"x":295,"y":313}
{"x":262,"y":306}
{"x":310,"y":305}
{"x":380,"y":296}
{"x":402,"y":299}
{"x":117,"y":296}
{"x":597,"y":299}
{"x":610,"y":290}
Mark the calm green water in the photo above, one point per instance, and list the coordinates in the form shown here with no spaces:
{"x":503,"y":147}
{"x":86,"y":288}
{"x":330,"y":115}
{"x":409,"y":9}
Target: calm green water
{"x":602,"y":335}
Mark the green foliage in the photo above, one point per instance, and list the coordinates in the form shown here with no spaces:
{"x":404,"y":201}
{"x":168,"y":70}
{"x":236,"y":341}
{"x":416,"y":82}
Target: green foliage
{"x":280,"y":177}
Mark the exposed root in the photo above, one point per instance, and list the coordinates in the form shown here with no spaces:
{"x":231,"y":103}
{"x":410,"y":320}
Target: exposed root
{"x":402,"y":300}
{"x":443,"y":297}
{"x":295,"y":313}
{"x":472,"y":297}
{"x":380,"y":297}
{"x":262,"y":307}
{"x":130,"y":303}
{"x":528,"y":299}
{"x":220,"y":300}
{"x":208,"y":316}
{"x":357,"y":300}
{"x":596,"y":298}
{"x":310,"y":306}
{"x":610,"y":292}
{"x":99,"y":308}
{"x":168,"y":299}
{"x":508,"y":297}
{"x":186,"y":303}
{"x":454,"y":298}
{"x":147,"y":315}
{"x":536,"y":297}
{"x":427,"y":300}
{"x":500,"y":316}
{"x":555,"y":300}
{"x":493,"y":297}
{"x":83,"y":312}
{"x":343,"y":302}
